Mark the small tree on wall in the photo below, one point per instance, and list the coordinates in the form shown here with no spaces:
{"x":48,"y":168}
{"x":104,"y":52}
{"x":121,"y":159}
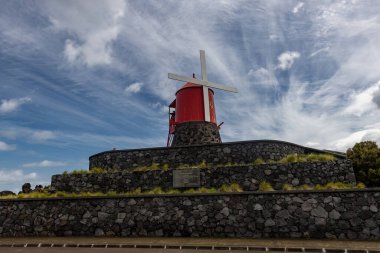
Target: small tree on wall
{"x":365,"y":156}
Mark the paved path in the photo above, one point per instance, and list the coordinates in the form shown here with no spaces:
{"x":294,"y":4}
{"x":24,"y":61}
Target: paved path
{"x":79,"y":250}
{"x":277,"y":245}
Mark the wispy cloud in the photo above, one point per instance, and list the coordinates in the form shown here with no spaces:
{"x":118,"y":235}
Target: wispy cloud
{"x":10,"y":105}
{"x":44,"y":164}
{"x":363,"y":101}
{"x":286,"y":59}
{"x":6,"y":147}
{"x":297,"y":7}
{"x":94,"y":24}
{"x":133,"y":88}
{"x":329,"y":55}
{"x":43,"y":135}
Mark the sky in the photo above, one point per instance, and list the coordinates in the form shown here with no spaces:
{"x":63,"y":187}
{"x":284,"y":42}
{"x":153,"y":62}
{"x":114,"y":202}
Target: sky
{"x":82,"y":77}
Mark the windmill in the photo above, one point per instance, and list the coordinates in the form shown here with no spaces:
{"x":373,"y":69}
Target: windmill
{"x":194,"y":101}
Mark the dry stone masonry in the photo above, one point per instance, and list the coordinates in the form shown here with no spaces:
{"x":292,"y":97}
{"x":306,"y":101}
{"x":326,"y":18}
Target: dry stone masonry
{"x":233,"y":152}
{"x":248,"y":177}
{"x":343,"y":214}
{"x":195,"y":133}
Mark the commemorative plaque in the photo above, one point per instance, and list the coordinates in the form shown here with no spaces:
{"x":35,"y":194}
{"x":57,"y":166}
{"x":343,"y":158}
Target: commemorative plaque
{"x":186,"y":178}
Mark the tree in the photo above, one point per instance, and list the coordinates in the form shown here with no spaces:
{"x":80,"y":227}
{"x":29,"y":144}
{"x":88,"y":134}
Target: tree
{"x":365,"y":156}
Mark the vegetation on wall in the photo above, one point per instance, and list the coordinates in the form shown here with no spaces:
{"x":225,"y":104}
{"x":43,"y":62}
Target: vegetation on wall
{"x":234,"y":187}
{"x":365,"y":156}
{"x":292,"y":158}
{"x":95,"y":170}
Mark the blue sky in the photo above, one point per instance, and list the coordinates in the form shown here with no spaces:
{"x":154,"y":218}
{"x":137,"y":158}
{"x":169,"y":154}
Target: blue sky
{"x":81,"y":77}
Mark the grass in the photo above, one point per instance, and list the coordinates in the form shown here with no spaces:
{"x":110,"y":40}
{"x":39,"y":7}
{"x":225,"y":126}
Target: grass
{"x":95,"y":170}
{"x":234,"y":187}
{"x":293,"y":158}
{"x":265,"y":186}
{"x":298,"y":158}
{"x":328,"y":186}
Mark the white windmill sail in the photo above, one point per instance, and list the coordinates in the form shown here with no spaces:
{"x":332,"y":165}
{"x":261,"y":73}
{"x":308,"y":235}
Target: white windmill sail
{"x":205,"y":83}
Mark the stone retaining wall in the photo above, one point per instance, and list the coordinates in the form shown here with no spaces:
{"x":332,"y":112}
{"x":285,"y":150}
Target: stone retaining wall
{"x":348,"y":214}
{"x":233,"y":152}
{"x":248,"y":177}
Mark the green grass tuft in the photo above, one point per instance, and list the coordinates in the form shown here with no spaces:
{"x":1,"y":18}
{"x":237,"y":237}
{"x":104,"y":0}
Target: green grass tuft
{"x":259,"y":161}
{"x":265,"y":186}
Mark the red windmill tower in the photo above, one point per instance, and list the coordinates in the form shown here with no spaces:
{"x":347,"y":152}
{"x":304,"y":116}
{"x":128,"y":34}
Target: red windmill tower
{"x":192,"y":118}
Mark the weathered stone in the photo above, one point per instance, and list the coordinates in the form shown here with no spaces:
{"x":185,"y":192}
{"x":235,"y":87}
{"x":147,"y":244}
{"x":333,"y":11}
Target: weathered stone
{"x":131,"y":202}
{"x":121,"y":215}
{"x":334,"y":215}
{"x":258,"y":207}
{"x":225,"y":211}
{"x":319,"y":212}
{"x":283,"y":214}
{"x":306,"y":207}
{"x":297,"y":200}
{"x":328,"y":199}
{"x":99,"y":232}
{"x":320,"y":221}
{"x":295,"y":182}
{"x":269,"y":223}
{"x":373,"y":208}
{"x":267,"y":172}
{"x":86,"y":215}
{"x":102,"y":215}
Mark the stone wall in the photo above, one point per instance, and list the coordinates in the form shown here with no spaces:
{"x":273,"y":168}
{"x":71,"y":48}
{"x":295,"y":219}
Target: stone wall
{"x":346,"y":214}
{"x":248,"y":177}
{"x":233,"y":152}
{"x":196,"y":133}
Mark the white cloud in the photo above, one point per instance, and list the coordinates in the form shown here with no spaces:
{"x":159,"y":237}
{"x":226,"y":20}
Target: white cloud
{"x":364,"y":135}
{"x":94,"y":24}
{"x":43,"y":135}
{"x":133,"y":88}
{"x":6,"y":147}
{"x":7,"y":176}
{"x":44,"y":164}
{"x":263,"y":76}
{"x":364,"y":101}
{"x":286,"y":59}
{"x":72,"y":52}
{"x":13,"y":104}
{"x":298,"y":7}
{"x":12,"y":180}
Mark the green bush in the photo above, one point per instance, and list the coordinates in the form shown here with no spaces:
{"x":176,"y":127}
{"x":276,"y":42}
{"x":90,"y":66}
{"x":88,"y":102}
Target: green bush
{"x":365,"y":157}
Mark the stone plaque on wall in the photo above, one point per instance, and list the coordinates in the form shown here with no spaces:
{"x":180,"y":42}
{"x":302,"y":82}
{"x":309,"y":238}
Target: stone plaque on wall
{"x":186,"y":178}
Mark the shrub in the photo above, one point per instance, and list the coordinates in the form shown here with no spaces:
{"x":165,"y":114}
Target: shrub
{"x":265,"y":186}
{"x":365,"y":157}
